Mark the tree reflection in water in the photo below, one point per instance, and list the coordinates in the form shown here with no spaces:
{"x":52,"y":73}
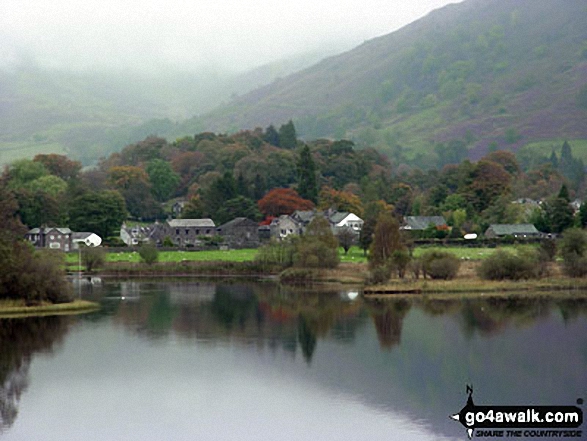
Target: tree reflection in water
{"x":19,"y":340}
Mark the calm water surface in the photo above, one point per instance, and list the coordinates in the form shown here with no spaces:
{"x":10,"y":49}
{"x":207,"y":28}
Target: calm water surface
{"x":201,"y":361}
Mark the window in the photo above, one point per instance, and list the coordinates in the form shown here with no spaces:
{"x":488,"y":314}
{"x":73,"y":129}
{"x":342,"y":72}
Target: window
{"x":197,"y":231}
{"x":54,"y":245}
{"x":177,"y":232}
{"x":187,"y":231}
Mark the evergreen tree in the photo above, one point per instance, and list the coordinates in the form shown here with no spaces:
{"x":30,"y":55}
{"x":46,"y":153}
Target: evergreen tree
{"x":271,"y":136}
{"x":241,"y":186}
{"x":287,"y":136}
{"x":259,"y":187}
{"x":564,"y":193}
{"x":553,"y":159}
{"x":307,"y":187}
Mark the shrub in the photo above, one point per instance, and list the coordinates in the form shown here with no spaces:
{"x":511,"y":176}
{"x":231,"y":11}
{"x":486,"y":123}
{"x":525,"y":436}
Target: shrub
{"x":279,"y":253}
{"x":505,"y":265}
{"x":298,"y":275}
{"x":440,"y":265}
{"x":379,"y":274}
{"x":400,"y":260}
{"x":317,"y":248}
{"x":93,"y":257}
{"x":149,"y":253}
{"x":573,"y":247}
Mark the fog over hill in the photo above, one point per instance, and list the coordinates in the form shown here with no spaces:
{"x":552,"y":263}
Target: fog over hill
{"x":86,"y":79}
{"x":489,"y":73}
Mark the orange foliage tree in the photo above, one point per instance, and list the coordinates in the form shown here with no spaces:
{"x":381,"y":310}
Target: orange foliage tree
{"x":283,"y":201}
{"x":340,"y":201}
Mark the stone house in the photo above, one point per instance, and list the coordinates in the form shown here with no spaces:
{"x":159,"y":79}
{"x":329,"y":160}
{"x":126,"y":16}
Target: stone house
{"x":185,"y":232}
{"x":515,"y":230}
{"x":284,"y":226}
{"x":239,"y":233}
{"x":50,"y":237}
{"x":421,"y":223}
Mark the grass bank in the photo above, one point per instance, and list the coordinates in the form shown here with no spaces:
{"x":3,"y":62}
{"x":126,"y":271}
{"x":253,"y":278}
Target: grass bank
{"x":18,"y":308}
{"x":468,"y":282}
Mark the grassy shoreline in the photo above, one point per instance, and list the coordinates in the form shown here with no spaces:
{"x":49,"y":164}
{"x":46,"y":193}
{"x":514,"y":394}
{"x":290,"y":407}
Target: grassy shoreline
{"x":18,"y":308}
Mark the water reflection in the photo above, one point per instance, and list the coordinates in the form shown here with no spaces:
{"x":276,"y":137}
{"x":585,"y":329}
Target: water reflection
{"x":20,"y":339}
{"x":405,"y":359}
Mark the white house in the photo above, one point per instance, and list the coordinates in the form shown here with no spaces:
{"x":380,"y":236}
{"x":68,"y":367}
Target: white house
{"x":345,"y":219}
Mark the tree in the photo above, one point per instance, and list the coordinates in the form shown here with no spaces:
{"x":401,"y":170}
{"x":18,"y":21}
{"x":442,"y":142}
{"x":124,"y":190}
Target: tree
{"x":558,"y":214}
{"x":489,"y":181}
{"x":573,"y":248}
{"x":49,"y":184}
{"x":24,"y":171}
{"x":271,"y":136}
{"x":283,"y":201}
{"x":317,"y":248}
{"x":193,"y":209}
{"x":100,"y":212}
{"x":149,"y":253}
{"x":163,"y":179}
{"x":340,"y":201}
{"x":287,"y":136}
{"x":92,"y":257}
{"x":40,"y":208}
{"x":346,"y":238}
{"x":60,"y":165}
{"x":26,"y":274}
{"x":307,"y":187}
{"x":386,"y":240}
{"x":237,"y":207}
{"x":221,"y":190}
{"x":372,"y":212}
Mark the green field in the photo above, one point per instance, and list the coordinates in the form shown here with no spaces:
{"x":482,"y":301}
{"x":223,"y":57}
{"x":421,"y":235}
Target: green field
{"x":545,"y":148}
{"x":12,"y":151}
{"x":355,"y":254}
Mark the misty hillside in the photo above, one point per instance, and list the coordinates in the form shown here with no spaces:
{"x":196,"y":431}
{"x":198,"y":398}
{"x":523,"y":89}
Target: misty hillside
{"x":88,"y":115}
{"x":494,"y":73}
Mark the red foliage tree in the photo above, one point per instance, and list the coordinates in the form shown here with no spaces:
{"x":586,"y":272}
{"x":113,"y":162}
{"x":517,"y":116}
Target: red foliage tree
{"x":283,"y":201}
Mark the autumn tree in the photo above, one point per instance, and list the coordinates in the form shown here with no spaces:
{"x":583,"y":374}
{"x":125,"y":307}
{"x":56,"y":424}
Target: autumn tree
{"x":386,"y":240}
{"x":340,"y":201}
{"x":307,"y":186}
{"x":283,"y":201}
{"x":59,"y":165}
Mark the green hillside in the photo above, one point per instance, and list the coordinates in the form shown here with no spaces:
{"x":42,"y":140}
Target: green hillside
{"x":492,"y":73}
{"x":89,"y":115}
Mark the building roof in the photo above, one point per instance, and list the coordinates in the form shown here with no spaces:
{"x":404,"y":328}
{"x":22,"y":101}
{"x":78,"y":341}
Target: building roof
{"x":423,"y":222}
{"x":187,"y":223}
{"x":338,"y":217}
{"x":46,"y":230}
{"x":304,"y":216}
{"x":513,"y":229}
{"x":236,"y":222}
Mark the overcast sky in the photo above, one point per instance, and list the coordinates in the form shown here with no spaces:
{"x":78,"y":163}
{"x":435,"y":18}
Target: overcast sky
{"x":191,"y":34}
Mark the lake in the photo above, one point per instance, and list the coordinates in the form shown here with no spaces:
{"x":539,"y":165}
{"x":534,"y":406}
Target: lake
{"x":196,"y":360}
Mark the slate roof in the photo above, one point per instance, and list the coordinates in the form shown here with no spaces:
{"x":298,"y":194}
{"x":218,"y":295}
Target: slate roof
{"x":236,"y":222}
{"x":339,"y":216}
{"x":187,"y":223}
{"x":423,"y":222}
{"x":513,"y":229}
